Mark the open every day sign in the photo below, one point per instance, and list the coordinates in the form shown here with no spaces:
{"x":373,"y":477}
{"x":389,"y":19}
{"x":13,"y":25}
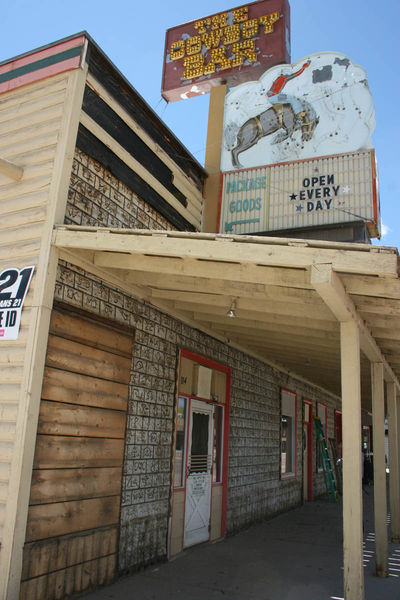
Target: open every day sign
{"x":14,"y":285}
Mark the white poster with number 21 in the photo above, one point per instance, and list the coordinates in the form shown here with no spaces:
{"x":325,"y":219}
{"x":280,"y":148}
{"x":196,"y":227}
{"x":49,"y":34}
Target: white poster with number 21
{"x":14,"y":285}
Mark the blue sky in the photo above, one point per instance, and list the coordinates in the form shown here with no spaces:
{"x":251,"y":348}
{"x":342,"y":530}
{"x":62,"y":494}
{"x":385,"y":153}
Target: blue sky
{"x":132,"y":34}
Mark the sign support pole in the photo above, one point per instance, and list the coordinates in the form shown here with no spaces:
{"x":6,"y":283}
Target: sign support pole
{"x":213,"y":157}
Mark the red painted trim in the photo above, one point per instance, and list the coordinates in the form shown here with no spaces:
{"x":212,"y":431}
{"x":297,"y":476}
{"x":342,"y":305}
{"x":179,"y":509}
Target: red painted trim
{"x":188,"y":421}
{"x":320,"y":469}
{"x":375,"y":195}
{"x":310,"y":432}
{"x":208,"y":362}
{"x":35,"y":56}
{"x":225,"y":460}
{"x":225,"y":450}
{"x":294,"y":475}
{"x":40,"y":74}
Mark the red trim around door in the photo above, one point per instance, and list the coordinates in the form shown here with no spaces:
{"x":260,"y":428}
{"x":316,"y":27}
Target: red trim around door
{"x":310,"y":472}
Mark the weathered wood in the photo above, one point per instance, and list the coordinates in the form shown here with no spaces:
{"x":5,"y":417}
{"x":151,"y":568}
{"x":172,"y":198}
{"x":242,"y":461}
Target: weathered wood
{"x":256,"y":298}
{"x":33,"y":95}
{"x":183,"y":182}
{"x":213,"y":157}
{"x":138,"y":169}
{"x":72,"y":580}
{"x":75,"y":388}
{"x":266,"y":322}
{"x":393,"y":405}
{"x":34,"y":215}
{"x":57,"y":418}
{"x":59,"y":452}
{"x":110,"y":122}
{"x":56,"y":554}
{"x":51,"y":127}
{"x":254,"y":310}
{"x":89,"y":143}
{"x":228,"y":249}
{"x":98,"y":335}
{"x":11,"y":170}
{"x":331,"y":289}
{"x":34,"y":134}
{"x":352,"y":485}
{"x":380,"y":499}
{"x":51,"y":520}
{"x":60,"y":485}
{"x":23,"y":122}
{"x":139,"y":110}
{"x":79,"y":358}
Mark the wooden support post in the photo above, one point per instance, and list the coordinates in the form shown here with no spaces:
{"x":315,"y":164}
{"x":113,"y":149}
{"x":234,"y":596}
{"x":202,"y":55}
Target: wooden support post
{"x":380,"y":501}
{"x":394,"y":466}
{"x":352,"y":484}
{"x":213,"y":158}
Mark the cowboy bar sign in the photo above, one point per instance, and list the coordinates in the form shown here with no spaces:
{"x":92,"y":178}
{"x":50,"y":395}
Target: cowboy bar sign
{"x":305,"y":193}
{"x":231,"y":47}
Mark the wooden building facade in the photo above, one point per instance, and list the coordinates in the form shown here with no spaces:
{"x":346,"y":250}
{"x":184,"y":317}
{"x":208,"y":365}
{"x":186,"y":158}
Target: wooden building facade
{"x":128,"y":381}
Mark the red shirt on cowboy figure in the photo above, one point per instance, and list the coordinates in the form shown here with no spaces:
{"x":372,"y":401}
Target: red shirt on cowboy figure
{"x":276,"y":98}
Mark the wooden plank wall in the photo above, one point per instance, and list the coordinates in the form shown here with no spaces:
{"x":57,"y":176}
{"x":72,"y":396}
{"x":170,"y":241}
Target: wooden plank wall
{"x":30,"y":121}
{"x":72,"y":530}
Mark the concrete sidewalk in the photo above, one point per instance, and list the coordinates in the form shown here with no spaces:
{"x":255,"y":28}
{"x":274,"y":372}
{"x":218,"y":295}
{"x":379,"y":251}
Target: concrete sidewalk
{"x":295,"y":556}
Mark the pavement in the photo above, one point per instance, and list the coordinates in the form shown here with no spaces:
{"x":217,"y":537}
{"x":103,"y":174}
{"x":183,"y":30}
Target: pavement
{"x":294,"y":556}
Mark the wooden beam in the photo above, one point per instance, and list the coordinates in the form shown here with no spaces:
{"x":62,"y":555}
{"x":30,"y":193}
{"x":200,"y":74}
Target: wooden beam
{"x":352,"y":486}
{"x":228,"y":249}
{"x":190,"y":213}
{"x":329,"y":286}
{"x":371,"y":286}
{"x":254,"y":309}
{"x":393,"y":403}
{"x":11,"y":170}
{"x":377,"y":306}
{"x":257,"y":296}
{"x":211,"y":270}
{"x":180,"y":179}
{"x":212,"y":161}
{"x":380,"y":501}
{"x":261,"y":322}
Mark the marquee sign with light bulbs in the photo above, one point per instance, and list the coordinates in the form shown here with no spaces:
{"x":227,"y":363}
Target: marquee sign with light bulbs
{"x":229,"y":47}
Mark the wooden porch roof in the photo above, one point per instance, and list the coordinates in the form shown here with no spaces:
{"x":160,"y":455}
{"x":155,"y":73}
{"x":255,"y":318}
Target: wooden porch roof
{"x":289,"y":296}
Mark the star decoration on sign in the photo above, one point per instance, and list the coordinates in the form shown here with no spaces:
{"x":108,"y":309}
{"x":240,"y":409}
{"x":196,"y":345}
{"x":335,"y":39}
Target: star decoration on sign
{"x":299,"y":208}
{"x":293,"y":196}
{"x":346,"y":189}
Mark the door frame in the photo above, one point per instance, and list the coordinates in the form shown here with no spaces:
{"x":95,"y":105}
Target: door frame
{"x":310,"y":470}
{"x":223,"y":483}
{"x":210,"y":411}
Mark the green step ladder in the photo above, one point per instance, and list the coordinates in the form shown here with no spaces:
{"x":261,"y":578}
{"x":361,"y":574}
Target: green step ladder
{"x":329,"y":476}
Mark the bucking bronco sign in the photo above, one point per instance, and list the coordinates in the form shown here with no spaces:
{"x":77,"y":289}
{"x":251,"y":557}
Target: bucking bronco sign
{"x":321,"y":105}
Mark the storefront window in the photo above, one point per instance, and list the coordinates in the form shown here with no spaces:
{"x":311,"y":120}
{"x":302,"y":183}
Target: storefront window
{"x":180,"y":442}
{"x":288,"y":434}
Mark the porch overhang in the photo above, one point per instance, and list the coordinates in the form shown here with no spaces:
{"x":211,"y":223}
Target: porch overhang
{"x":289,"y":296}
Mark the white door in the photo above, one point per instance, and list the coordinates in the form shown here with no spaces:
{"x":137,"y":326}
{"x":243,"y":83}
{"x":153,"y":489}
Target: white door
{"x":198,"y":482}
